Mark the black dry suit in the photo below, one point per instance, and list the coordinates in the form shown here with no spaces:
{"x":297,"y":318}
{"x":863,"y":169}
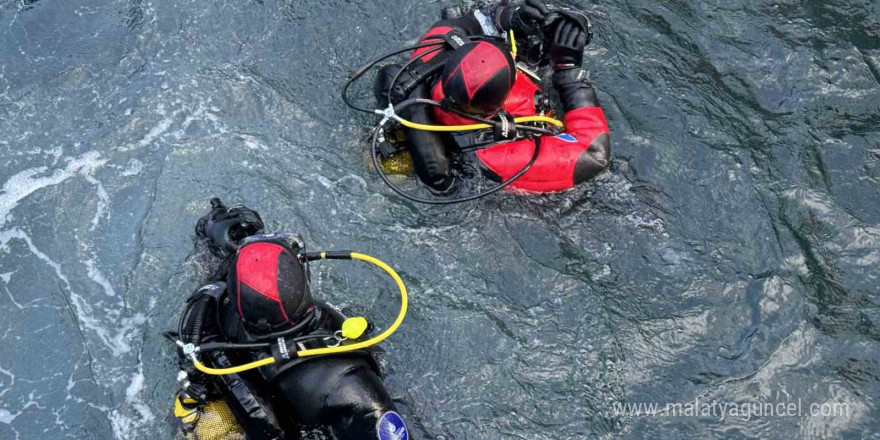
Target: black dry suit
{"x":263,"y":301}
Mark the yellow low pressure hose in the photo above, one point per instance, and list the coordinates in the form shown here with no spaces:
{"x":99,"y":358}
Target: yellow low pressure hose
{"x":231,"y":370}
{"x":404,"y":301}
{"x":520,"y":120}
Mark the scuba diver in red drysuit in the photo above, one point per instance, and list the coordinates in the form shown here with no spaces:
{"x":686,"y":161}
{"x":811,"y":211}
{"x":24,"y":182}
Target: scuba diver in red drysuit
{"x":481,"y":77}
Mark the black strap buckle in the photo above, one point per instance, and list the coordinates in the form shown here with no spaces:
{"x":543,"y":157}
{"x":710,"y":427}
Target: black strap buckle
{"x":472,"y":140}
{"x":505,"y":128}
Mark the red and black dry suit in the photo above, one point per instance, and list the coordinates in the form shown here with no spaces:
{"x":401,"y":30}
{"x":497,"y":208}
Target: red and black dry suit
{"x":266,"y":298}
{"x":565,"y":160}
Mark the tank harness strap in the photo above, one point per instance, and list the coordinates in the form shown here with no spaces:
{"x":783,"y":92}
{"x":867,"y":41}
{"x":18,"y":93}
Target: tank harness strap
{"x":285,"y":349}
{"x":471,"y":140}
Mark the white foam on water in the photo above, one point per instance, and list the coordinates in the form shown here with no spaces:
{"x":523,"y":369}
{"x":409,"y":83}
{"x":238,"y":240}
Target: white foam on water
{"x":116,"y":333}
{"x":5,"y":387}
{"x":156,"y":132}
{"x":98,"y":277}
{"x":325,"y":182}
{"x":137,"y":385}
{"x":123,"y":424}
{"x":134,"y":168}
{"x":14,"y":302}
{"x":103,"y":202}
{"x":252,"y":143}
{"x":202,"y":112}
{"x":638,"y":140}
{"x":7,"y":417}
{"x":133,"y":397}
{"x":28,"y":181}
{"x":118,"y":343}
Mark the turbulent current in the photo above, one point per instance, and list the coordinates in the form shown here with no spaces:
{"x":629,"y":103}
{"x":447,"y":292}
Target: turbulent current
{"x":728,"y":257}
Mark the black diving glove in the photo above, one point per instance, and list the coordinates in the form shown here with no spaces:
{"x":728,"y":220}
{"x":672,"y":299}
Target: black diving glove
{"x":524,"y":19}
{"x":566,"y":42}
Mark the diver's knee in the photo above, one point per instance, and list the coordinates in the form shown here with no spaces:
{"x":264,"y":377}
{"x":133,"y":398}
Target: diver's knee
{"x":432,"y":163}
{"x":438,"y":181}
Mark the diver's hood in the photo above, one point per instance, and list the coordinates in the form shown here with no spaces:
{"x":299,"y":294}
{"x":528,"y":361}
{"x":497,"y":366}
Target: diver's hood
{"x":269,"y":284}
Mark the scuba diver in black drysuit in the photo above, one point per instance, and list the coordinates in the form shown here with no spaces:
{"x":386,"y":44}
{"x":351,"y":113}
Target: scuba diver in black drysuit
{"x":258,"y":311}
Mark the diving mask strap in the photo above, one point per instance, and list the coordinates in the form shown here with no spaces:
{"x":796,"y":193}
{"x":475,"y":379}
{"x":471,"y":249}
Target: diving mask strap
{"x":456,"y":39}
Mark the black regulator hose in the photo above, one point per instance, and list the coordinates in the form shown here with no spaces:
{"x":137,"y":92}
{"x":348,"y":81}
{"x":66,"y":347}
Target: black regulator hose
{"x":199,"y":320}
{"x":215,"y":346}
{"x":193,"y":319}
{"x":366,"y":68}
{"x":374,"y":154}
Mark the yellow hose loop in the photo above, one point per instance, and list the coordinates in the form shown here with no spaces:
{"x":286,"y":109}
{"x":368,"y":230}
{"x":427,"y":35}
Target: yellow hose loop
{"x":329,"y":350}
{"x":232,"y":370}
{"x":469,"y":127}
{"x":384,"y":335}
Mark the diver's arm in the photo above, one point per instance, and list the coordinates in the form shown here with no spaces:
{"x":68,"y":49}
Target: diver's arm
{"x":429,"y":151}
{"x":584,"y":118}
{"x":467,"y":24}
{"x":575,"y":89}
{"x":523,"y":18}
{"x":430,"y":154}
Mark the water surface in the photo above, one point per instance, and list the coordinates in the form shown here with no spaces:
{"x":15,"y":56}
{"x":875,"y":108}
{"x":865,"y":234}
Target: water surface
{"x":731,"y":252}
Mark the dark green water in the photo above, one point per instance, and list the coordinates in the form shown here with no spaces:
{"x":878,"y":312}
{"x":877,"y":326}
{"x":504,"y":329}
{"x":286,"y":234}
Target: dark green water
{"x":731,"y":253}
